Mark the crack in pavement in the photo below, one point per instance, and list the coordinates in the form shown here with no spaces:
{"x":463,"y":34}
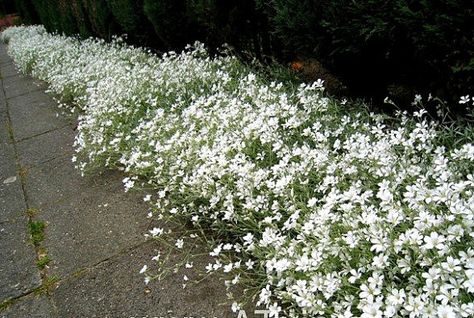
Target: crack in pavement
{"x":41,"y":163}
{"x":22,"y":177}
{"x":92,"y":267}
{"x":41,"y":133}
{"x":22,"y":94}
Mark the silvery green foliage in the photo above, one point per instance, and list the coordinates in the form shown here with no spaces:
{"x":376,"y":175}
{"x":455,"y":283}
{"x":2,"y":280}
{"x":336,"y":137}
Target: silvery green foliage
{"x":331,"y":213}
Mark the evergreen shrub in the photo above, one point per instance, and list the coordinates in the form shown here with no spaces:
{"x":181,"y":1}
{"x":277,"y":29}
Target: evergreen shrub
{"x":424,"y":46}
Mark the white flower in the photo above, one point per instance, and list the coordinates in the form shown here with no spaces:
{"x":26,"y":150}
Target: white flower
{"x":128,"y":184}
{"x":312,"y":202}
{"x":417,"y":100}
{"x":274,"y":310}
{"x":235,"y":307}
{"x":248,"y":238}
{"x":249,"y":264}
{"x":432,"y":275}
{"x":236,"y":280}
{"x":387,"y":100}
{"x":174,"y":211}
{"x":434,"y":241}
{"x":227,"y":247}
{"x":451,"y":265}
{"x":281,"y":265}
{"x":420,"y":113}
{"x":319,"y":83}
{"x":372,"y":310}
{"x":355,"y":275}
{"x":217,"y":250}
{"x":228,"y":268}
{"x":179,"y":243}
{"x":446,"y":311}
{"x":469,"y":282}
{"x":396,"y":297}
{"x":156,"y":231}
{"x":368,"y":292}
{"x":464,"y":99}
{"x":390,"y":311}
{"x":144,"y":269}
{"x":264,"y":296}
{"x":380,"y":261}
{"x":415,"y":306}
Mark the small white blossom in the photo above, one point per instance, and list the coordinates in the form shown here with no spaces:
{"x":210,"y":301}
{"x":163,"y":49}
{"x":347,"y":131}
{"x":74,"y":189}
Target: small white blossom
{"x":156,"y":231}
{"x":144,"y":269}
{"x":464,"y":99}
{"x":179,"y":243}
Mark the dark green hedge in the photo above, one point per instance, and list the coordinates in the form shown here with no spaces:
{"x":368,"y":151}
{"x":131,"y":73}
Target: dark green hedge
{"x":130,"y":16}
{"x":27,"y":12}
{"x":376,"y":47}
{"x":215,"y":22}
{"x":99,"y":18}
{"x":7,"y":7}
{"x":171,"y":22}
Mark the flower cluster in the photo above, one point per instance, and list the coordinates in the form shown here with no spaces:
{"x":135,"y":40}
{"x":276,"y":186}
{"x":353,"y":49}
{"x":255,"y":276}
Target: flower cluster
{"x":324,"y":208}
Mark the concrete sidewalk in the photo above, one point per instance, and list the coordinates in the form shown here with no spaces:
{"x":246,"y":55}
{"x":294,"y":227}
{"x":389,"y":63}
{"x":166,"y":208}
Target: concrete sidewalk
{"x":93,"y":231}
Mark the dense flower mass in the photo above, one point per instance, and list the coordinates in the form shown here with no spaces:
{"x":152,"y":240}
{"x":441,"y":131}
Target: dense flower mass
{"x":324,"y":210}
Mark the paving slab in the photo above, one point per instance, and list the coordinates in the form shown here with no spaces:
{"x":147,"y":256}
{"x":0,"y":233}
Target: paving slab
{"x":3,"y":54}
{"x":4,"y":58}
{"x":116,"y":289}
{"x":91,"y":228}
{"x":57,"y":181}
{"x":12,"y":202}
{"x":45,"y":115}
{"x":45,"y":147}
{"x":5,"y":140}
{"x":37,"y":97}
{"x":89,"y":219}
{"x":7,"y":70}
{"x":3,"y":104}
{"x":18,"y":273}
{"x":4,"y":128}
{"x":31,"y":306}
{"x":21,"y":85}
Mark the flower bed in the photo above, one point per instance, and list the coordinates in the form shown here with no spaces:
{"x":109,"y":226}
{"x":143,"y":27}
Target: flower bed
{"x":322,"y":208}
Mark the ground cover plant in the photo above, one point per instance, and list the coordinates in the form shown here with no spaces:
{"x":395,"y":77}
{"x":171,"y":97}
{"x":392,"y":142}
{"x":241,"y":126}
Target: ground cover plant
{"x":318,"y":207}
